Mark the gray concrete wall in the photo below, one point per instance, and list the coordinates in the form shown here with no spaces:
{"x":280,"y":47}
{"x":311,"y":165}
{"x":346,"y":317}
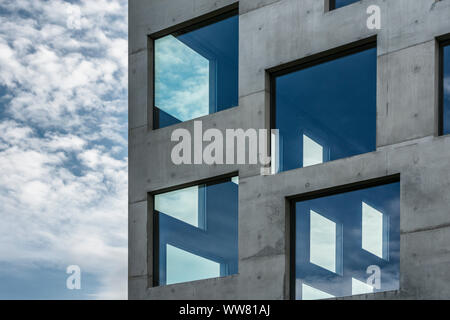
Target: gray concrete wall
{"x":274,"y":33}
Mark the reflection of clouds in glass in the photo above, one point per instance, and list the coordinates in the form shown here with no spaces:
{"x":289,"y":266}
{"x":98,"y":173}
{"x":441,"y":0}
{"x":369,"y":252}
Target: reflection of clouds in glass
{"x":183,"y":266}
{"x":359,"y":287}
{"x":312,"y":152}
{"x":372,"y":230}
{"x":334,"y":287}
{"x":322,"y":241}
{"x":447,"y":85}
{"x":180,"y":204}
{"x":311,"y":293}
{"x":181,"y":80}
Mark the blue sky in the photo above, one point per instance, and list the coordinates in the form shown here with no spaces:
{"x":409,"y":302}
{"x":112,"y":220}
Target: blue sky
{"x":63,"y":148}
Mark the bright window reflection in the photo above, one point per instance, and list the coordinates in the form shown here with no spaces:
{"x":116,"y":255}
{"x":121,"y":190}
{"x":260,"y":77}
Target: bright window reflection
{"x":197,"y":232}
{"x":329,"y":232}
{"x":310,"y":293}
{"x":174,"y":62}
{"x":372,"y":230}
{"x":196,"y":72}
{"x":323,"y":242}
{"x":312,"y":152}
{"x":446,"y":88}
{"x":359,"y":287}
{"x":332,"y":104}
{"x":169,"y":204}
{"x":184,"y":266}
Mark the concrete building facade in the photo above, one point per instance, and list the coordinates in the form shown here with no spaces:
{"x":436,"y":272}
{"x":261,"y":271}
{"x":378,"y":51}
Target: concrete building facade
{"x":274,"y":34}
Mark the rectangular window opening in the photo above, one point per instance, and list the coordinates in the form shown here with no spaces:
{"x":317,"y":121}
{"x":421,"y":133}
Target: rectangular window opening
{"x":346,"y":241}
{"x":325,"y":108}
{"x":444,"y":88}
{"x":195,"y":232}
{"x":196,"y":71}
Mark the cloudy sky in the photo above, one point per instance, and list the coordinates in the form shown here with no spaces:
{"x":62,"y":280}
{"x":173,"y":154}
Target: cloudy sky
{"x":63,"y":148}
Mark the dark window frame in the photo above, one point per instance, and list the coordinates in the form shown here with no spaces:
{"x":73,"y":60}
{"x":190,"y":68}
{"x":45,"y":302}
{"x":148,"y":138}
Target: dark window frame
{"x":321,"y":194}
{"x":442,"y":44}
{"x":180,"y":29}
{"x":310,"y":61}
{"x":332,"y":5}
{"x":154,"y":264}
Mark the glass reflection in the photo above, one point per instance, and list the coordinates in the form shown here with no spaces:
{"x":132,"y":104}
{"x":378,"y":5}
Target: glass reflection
{"x":323,"y":234}
{"x":446,"y":88}
{"x":343,"y":3}
{"x":184,"y":266}
{"x":189,"y":212}
{"x":333,"y":263}
{"x":310,"y":293}
{"x":332,"y":105}
{"x":196,"y":72}
{"x":359,"y":287}
{"x":372,"y":230}
{"x":312,"y":152}
{"x":197,"y":232}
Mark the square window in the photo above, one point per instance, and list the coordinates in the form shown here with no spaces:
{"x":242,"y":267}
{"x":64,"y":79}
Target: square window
{"x":326,"y":110}
{"x":196,"y":71}
{"x":445,"y":89}
{"x":336,"y":4}
{"x":196,"y":232}
{"x":347,"y":243}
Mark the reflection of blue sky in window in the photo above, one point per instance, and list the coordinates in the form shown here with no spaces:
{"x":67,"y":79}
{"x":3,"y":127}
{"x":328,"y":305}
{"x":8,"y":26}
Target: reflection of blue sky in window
{"x":181,"y":79}
{"x":334,"y":100}
{"x":329,"y":233}
{"x":372,"y":230}
{"x":311,"y":293}
{"x":342,"y":3}
{"x":180,"y":204}
{"x":446,"y":73}
{"x":323,"y":242}
{"x":312,"y":152}
{"x":198,"y":232}
{"x":183,"y":266}
{"x":359,"y":287}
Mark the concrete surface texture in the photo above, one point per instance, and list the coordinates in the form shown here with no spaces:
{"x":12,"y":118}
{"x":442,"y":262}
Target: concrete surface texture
{"x":275,"y":33}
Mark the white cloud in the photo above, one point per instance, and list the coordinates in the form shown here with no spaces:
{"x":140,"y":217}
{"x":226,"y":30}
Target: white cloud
{"x":63,"y":182}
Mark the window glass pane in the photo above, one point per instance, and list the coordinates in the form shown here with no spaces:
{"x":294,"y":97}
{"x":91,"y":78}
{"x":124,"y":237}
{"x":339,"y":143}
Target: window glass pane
{"x":197,"y":232}
{"x":342,"y":3}
{"x":312,"y":152}
{"x":181,"y":81}
{"x":196,"y":72}
{"x":327,"y":111}
{"x":359,"y":287}
{"x":184,"y":266}
{"x":322,"y":241}
{"x":372,"y":230}
{"x":446,"y":74}
{"x":310,"y":293}
{"x":169,"y":204}
{"x":331,"y":254}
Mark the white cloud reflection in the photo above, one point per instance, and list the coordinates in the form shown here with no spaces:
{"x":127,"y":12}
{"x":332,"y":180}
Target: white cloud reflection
{"x":180,"y":204}
{"x":323,"y":248}
{"x":183,"y":266}
{"x":182,"y":79}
